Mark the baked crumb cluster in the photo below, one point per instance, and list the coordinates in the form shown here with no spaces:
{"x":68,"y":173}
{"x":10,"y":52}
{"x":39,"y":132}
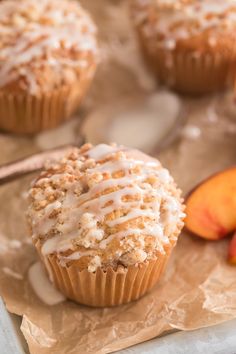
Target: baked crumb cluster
{"x":105,"y":205}
{"x":171,"y":20}
{"x":44,"y":44}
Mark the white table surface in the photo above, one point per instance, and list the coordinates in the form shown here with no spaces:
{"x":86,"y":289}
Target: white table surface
{"x":220,"y":339}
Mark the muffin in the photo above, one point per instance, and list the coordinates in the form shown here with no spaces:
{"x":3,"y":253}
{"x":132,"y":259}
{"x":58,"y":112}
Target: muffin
{"x":104,"y":221}
{"x":188,"y":44}
{"x":47,"y":61}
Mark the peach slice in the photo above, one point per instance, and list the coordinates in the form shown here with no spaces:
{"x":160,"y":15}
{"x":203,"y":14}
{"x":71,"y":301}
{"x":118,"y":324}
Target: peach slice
{"x":232,"y":250}
{"x":211,"y":206}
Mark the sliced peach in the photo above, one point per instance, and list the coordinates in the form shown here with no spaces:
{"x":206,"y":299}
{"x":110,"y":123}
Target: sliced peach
{"x":211,"y":206}
{"x":232,"y":250}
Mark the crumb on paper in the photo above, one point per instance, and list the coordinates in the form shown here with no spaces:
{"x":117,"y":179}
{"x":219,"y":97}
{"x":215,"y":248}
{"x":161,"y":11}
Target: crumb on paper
{"x":191,"y":132}
{"x":12,"y":273}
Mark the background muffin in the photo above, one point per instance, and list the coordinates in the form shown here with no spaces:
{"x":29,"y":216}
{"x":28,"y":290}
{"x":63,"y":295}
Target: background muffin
{"x":104,"y":221}
{"x":47,"y":61}
{"x":189,"y":44}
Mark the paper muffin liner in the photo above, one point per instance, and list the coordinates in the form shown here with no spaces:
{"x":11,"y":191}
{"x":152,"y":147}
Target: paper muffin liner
{"x":28,"y":114}
{"x":191,"y":73}
{"x":105,"y":287}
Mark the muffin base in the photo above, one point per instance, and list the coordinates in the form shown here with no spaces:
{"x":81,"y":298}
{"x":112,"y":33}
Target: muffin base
{"x":105,"y":288}
{"x":28,"y":114}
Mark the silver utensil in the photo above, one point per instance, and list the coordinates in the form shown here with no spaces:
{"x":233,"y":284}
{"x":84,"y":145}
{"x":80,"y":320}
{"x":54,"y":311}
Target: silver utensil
{"x":30,"y":164}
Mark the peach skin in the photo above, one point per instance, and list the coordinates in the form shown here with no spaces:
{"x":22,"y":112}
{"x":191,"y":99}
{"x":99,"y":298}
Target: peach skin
{"x":211,"y":206}
{"x":232,"y":250}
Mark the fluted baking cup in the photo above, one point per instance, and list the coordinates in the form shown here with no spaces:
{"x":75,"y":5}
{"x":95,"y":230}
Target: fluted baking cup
{"x":191,"y":72}
{"x":28,"y":114}
{"x":105,"y":287}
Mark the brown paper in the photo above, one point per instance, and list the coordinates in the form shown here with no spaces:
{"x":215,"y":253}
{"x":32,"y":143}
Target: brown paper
{"x":198,"y":288}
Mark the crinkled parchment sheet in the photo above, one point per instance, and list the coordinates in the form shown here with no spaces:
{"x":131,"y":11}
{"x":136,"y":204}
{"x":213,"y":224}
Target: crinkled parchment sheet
{"x":198,"y":288}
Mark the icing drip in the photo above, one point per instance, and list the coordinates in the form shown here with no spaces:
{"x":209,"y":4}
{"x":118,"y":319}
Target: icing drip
{"x":100,"y":151}
{"x":42,"y":287}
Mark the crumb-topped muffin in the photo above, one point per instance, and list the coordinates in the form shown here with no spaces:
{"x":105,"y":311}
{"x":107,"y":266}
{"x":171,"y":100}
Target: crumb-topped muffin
{"x":105,"y":215}
{"x":47,"y":61}
{"x":189,"y":44}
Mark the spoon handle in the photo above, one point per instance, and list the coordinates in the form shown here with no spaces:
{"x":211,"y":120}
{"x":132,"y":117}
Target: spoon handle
{"x":32,"y":163}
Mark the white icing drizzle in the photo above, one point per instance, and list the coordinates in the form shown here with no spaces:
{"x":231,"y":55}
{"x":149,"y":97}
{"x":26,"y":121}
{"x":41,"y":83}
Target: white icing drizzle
{"x":58,"y":244}
{"x":34,"y":32}
{"x":177,"y":19}
{"x":42,"y":287}
{"x":88,"y":202}
{"x":100,"y":151}
{"x":79,"y":216}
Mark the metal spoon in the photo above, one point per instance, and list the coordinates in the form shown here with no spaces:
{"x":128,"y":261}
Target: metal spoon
{"x":22,"y":167}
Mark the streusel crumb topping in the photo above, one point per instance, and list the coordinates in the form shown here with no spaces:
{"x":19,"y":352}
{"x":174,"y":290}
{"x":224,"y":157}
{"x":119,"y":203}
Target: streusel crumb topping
{"x":44,"y":44}
{"x":105,"y":205}
{"x":172,"y":20}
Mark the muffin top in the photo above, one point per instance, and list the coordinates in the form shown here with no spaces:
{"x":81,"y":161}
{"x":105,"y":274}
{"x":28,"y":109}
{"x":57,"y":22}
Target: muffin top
{"x":44,"y":45}
{"x":105,"y":206}
{"x":170,"y":21}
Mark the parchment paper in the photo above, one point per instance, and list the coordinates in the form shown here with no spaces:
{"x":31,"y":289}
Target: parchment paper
{"x":198,"y":288}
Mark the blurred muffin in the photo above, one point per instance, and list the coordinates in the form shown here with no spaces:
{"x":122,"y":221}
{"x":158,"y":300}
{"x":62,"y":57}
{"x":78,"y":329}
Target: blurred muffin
{"x":47,"y":61}
{"x":104,"y":221}
{"x":189,"y":44}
